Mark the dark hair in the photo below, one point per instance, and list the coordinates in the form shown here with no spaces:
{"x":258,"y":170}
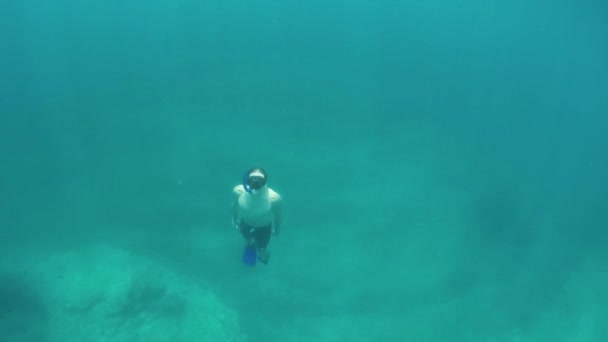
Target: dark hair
{"x":259,"y":169}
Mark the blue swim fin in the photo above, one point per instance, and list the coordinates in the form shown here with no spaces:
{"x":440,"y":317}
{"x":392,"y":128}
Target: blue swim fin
{"x":249,"y":255}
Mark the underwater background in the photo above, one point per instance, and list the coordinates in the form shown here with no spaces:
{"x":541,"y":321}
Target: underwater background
{"x":442,"y":165}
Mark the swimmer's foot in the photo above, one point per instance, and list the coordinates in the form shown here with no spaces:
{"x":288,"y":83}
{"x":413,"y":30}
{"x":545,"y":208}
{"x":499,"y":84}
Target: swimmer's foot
{"x":264,"y":256}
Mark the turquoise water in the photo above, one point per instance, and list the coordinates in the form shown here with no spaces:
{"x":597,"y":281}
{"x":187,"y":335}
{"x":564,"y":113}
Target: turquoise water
{"x":442,"y":166}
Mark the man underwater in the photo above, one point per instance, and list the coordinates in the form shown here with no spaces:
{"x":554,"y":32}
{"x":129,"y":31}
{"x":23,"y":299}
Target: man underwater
{"x":256,"y":212}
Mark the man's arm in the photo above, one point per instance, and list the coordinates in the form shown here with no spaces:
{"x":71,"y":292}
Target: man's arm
{"x":277,"y":208}
{"x":236,"y":193}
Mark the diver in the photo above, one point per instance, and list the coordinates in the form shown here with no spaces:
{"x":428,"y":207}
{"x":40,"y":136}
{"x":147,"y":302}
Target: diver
{"x":256,"y":213}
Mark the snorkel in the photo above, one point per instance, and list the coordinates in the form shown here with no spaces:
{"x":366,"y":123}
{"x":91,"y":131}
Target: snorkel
{"x":245,"y":185}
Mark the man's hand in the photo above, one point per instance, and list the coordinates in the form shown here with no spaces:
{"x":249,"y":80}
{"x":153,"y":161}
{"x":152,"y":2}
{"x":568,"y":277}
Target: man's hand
{"x":236,"y":224}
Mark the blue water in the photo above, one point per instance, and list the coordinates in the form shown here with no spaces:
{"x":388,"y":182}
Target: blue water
{"x":442,"y":166}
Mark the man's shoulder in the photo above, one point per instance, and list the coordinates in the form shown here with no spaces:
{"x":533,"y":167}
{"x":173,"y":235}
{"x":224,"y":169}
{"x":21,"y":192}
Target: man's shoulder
{"x":238,"y":189}
{"x":274,"y":196}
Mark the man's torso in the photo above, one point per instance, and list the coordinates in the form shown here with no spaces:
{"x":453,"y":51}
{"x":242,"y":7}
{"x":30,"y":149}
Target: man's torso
{"x":256,"y":209}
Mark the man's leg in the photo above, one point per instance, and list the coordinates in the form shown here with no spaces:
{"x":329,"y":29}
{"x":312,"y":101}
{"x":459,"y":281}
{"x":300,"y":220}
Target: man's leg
{"x":247,"y":232}
{"x":262,"y":238}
